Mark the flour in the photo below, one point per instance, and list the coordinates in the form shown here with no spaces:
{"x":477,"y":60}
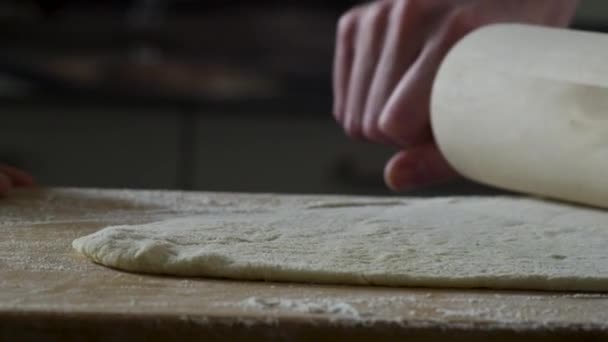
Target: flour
{"x":468,"y":313}
{"x":65,"y":205}
{"x":306,"y":305}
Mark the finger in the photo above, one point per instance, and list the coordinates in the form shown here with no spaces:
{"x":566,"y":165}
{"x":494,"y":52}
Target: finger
{"x":418,"y":166}
{"x":403,"y":43}
{"x":17,"y":177}
{"x":405,"y":118}
{"x":5,"y":184}
{"x":343,"y":58}
{"x":370,"y":37}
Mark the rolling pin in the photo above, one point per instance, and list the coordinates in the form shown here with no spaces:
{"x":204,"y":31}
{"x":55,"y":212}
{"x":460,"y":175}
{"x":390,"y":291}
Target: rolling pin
{"x":525,"y":108}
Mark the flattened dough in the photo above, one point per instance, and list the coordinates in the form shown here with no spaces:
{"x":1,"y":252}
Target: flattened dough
{"x":493,"y":242}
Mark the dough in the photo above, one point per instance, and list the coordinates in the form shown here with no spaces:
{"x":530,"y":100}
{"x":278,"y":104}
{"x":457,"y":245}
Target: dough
{"x":526,"y":108}
{"x":493,"y":242}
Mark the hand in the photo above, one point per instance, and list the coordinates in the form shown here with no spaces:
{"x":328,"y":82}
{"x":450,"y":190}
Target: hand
{"x":11,"y":177}
{"x":387,"y":55}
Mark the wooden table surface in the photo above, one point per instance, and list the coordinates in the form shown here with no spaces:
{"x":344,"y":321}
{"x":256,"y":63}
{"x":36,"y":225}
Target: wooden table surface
{"x":49,"y":291}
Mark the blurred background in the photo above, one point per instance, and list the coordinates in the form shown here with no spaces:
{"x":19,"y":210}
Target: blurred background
{"x":219,"y":95}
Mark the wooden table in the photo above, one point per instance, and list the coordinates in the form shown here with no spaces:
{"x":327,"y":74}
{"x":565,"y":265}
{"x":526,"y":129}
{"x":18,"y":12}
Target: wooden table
{"x":49,"y":291}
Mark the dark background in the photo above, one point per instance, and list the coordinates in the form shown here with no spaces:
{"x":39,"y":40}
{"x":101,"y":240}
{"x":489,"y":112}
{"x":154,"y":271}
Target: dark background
{"x":197,"y":95}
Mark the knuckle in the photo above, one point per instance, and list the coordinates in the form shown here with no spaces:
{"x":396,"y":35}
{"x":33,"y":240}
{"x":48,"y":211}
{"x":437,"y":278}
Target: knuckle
{"x":346,"y":24}
{"x":375,"y":15}
{"x":403,"y":10}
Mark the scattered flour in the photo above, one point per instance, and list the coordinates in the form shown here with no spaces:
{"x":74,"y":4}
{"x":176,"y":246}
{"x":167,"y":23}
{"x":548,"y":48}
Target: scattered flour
{"x":305,"y":305}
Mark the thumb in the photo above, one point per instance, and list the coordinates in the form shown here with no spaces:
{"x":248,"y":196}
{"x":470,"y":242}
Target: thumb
{"x":417,"y":166}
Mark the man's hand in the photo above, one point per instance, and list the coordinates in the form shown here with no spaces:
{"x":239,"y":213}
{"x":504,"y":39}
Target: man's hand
{"x":387,"y":55}
{"x":11,"y":177}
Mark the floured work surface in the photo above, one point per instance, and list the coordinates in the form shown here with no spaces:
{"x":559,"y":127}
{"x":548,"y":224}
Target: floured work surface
{"x":48,"y":290}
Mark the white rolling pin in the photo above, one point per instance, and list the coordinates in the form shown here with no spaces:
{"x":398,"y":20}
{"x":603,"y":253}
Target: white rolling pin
{"x":525,"y":108}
